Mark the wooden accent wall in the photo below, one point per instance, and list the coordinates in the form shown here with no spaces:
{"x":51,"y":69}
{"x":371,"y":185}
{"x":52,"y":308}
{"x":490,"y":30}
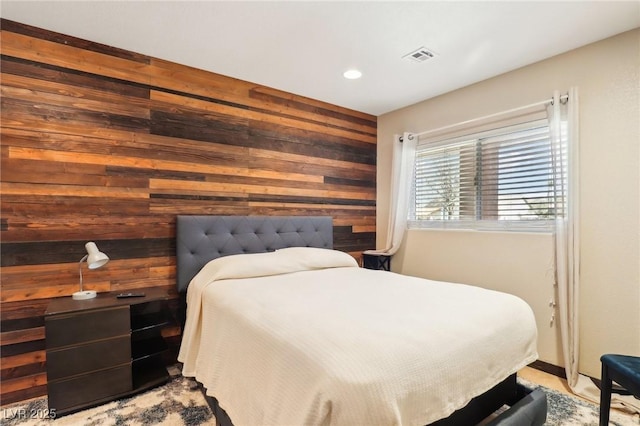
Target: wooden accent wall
{"x":101,"y":144}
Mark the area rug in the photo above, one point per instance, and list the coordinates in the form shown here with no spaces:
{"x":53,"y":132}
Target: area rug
{"x":565,"y":410}
{"x":180,"y":403}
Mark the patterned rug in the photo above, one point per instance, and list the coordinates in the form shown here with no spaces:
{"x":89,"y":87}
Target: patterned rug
{"x":180,"y":403}
{"x":566,"y":410}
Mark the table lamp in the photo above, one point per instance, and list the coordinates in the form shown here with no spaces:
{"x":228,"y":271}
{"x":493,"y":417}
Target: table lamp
{"x":95,"y":259}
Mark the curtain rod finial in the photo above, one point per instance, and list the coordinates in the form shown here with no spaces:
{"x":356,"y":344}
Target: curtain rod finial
{"x":409,"y":136}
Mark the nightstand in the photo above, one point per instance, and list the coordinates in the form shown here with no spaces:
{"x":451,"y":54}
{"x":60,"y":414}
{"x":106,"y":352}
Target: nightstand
{"x":103,"y":349}
{"x":376,"y":261}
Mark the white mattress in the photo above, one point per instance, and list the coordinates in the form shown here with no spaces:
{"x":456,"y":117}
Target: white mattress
{"x":305,"y":337}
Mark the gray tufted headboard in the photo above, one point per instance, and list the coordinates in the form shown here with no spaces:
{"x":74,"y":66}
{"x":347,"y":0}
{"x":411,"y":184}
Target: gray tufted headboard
{"x":200,"y":239}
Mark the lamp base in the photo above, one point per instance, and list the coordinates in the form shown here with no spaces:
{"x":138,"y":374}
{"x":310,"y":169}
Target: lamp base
{"x":83,"y":295}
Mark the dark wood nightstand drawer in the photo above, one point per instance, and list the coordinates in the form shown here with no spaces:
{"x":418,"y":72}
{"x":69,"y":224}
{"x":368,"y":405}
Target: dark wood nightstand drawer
{"x":81,"y":327}
{"x":74,"y":360}
{"x":89,"y":388}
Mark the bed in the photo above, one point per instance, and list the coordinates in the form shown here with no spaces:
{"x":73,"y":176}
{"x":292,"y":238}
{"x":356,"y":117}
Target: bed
{"x":281,"y":329}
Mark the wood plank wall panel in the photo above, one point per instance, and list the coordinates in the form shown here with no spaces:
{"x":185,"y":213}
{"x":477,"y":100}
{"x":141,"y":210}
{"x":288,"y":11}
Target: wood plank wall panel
{"x":103,"y":144}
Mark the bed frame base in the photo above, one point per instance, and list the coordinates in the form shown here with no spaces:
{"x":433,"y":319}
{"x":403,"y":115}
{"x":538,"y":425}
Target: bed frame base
{"x":527,"y":408}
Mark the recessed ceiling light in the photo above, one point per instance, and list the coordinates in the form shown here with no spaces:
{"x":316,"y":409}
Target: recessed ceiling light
{"x":352,"y":74}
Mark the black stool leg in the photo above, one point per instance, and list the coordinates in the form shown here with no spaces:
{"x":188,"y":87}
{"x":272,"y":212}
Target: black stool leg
{"x":605,"y":396}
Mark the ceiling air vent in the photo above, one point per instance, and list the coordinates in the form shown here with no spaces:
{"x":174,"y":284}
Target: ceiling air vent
{"x":420,"y":55}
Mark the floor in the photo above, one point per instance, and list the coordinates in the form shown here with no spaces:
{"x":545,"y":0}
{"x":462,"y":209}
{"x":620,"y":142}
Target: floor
{"x":549,"y":381}
{"x":545,"y":379}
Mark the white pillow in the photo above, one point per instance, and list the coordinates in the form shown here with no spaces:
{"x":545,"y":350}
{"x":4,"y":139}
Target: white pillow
{"x":318,"y":258}
{"x":283,"y":261}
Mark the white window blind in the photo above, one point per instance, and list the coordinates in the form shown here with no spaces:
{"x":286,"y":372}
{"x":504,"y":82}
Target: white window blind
{"x":501,"y":178}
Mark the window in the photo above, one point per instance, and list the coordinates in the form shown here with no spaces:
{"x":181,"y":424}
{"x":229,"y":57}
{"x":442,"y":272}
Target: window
{"x":498,"y":179}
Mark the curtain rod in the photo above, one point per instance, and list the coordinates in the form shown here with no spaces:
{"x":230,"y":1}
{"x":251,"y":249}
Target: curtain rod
{"x":563,"y":99}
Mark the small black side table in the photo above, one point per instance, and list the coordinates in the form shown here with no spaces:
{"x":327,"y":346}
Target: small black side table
{"x":376,"y":261}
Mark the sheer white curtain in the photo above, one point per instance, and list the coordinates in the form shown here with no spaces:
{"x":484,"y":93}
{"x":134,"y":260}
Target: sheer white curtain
{"x":404,"y":153}
{"x":563,"y":125}
{"x":564,"y":141}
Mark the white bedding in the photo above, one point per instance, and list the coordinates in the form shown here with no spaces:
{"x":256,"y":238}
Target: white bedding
{"x":305,"y":337}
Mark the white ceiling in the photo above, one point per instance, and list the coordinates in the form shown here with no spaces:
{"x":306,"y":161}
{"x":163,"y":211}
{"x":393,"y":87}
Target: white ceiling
{"x":304,"y":47}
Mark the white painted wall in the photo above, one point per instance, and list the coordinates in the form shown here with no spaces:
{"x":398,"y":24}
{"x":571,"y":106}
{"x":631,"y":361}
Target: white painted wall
{"x":607,"y":74}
